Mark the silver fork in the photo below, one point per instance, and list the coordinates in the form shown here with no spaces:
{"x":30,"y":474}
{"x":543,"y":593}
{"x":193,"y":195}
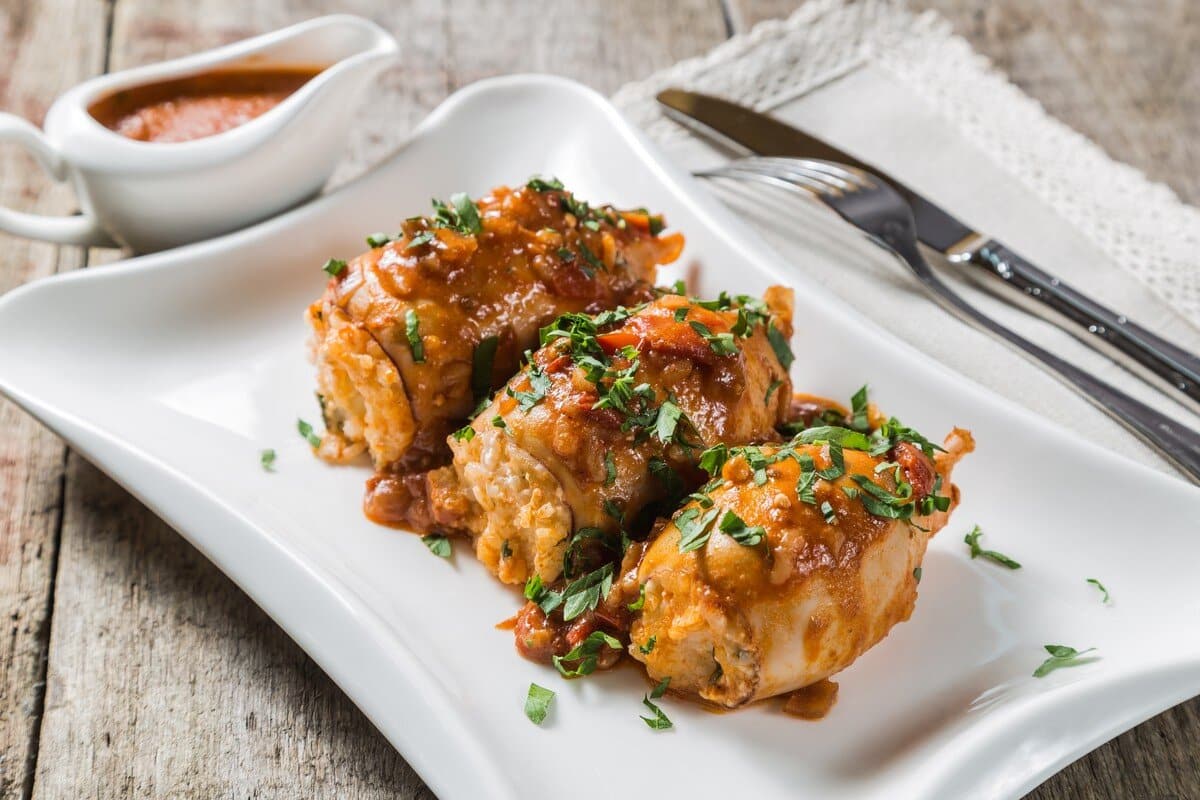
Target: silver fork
{"x":875,"y":208}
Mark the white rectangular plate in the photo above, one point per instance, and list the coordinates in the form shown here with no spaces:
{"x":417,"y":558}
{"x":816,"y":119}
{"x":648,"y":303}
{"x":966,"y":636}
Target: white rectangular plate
{"x":172,"y":372}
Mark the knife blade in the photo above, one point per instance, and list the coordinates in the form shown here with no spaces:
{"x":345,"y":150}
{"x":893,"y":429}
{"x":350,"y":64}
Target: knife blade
{"x":1147,"y":355}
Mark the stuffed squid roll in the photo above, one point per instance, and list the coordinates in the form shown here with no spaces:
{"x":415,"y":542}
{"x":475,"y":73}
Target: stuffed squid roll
{"x":793,"y":561}
{"x":412,"y":334}
{"x":607,"y":420}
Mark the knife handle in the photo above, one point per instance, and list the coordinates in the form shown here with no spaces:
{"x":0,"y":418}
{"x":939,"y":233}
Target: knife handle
{"x":1144,"y":353}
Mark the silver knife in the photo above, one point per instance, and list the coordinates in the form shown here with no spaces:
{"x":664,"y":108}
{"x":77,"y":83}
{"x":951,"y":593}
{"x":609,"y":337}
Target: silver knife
{"x":1144,"y":353}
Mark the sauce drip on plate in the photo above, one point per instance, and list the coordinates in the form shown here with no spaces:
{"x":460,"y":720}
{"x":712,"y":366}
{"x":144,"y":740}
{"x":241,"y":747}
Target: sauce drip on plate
{"x":197,"y":106}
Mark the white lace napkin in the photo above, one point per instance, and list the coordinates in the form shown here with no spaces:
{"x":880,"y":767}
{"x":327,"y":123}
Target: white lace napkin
{"x":899,"y":90}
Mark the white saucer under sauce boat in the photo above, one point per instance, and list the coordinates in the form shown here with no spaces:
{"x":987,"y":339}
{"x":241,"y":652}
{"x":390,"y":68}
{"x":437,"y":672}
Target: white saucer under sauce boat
{"x":154,"y":195}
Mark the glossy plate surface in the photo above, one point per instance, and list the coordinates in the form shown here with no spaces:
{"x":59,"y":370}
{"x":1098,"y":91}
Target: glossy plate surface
{"x":173,"y":371}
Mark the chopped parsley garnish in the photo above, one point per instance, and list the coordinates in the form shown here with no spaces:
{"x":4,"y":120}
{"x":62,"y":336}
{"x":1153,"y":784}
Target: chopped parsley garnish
{"x":858,"y":411}
{"x":721,"y":343}
{"x":771,"y":390}
{"x":498,"y":422}
{"x":748,"y":536}
{"x":539,"y":384}
{"x":667,"y":421}
{"x":590,"y":257}
{"x":582,"y":594}
{"x":267,"y":459}
{"x":882,"y":503}
{"x":1062,"y":656}
{"x":412,"y":330}
{"x":610,"y":468}
{"x":461,"y":215}
{"x":779,"y":343}
{"x":659,"y":721}
{"x":378,"y":239}
{"x":843,"y":437}
{"x":505,"y":549}
{"x":828,"y":513}
{"x":537,"y":703}
{"x":681,"y":314}
{"x":695,"y":528}
{"x":566,"y":254}
{"x":464,"y":434}
{"x":917,"y":574}
{"x":1099,"y":586}
{"x":585,"y":655}
{"x":648,"y":648}
{"x":637,"y":605}
{"x":308,"y":433}
{"x":972,"y":540}
{"x":424,"y":237}
{"x":481,"y":366}
{"x":334,"y":267}
{"x":712,"y":459}
{"x":438,"y":545}
{"x":541,"y":184}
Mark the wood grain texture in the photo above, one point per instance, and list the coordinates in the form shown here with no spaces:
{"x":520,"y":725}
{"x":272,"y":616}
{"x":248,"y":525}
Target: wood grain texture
{"x":37,"y":62}
{"x":164,"y":679}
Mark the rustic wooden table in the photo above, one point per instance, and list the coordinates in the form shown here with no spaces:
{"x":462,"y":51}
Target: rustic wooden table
{"x":132,"y":667}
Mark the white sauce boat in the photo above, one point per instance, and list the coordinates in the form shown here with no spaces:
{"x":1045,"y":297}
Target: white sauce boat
{"x":152,"y":195}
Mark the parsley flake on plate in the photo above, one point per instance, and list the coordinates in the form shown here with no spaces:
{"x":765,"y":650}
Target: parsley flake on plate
{"x":659,"y":722}
{"x":1062,"y":656}
{"x":438,"y":545}
{"x":308,"y":433}
{"x":267,"y":459}
{"x":972,"y":540}
{"x":537,"y":703}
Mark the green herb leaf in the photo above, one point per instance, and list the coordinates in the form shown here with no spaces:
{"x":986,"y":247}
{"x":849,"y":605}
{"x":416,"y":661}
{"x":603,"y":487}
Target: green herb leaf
{"x":771,"y":390}
{"x":721,"y":343}
{"x":412,"y":326}
{"x":637,"y":605}
{"x":537,"y":703}
{"x":1099,"y":586}
{"x":307,"y":432}
{"x":586,"y":655}
{"x":747,"y":536}
{"x":659,"y":721}
{"x":1061,"y":656}
{"x":541,"y":184}
{"x":917,"y":574}
{"x":972,"y":540}
{"x":481,"y":366}
{"x":681,"y":313}
{"x":828,"y":513}
{"x":783,"y":350}
{"x":858,"y":411}
{"x":584,"y":594}
{"x":539,"y":384}
{"x":498,"y":422}
{"x":610,"y":468}
{"x":648,"y":648}
{"x":713,"y":459}
{"x":267,"y":459}
{"x":378,"y":239}
{"x":438,"y":545}
{"x":590,"y":257}
{"x":832,"y":434}
{"x":464,"y":434}
{"x":694,"y":528}
{"x":424,"y":237}
{"x":666,"y":421}
{"x":334,"y":267}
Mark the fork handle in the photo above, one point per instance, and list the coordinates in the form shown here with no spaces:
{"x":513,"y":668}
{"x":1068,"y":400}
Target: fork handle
{"x":1175,"y":441}
{"x":1142,"y":352}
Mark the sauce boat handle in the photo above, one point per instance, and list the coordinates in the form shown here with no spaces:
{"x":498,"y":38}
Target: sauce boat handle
{"x":80,"y":229}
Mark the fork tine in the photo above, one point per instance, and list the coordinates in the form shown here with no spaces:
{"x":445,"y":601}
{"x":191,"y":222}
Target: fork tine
{"x":798,"y":171}
{"x":738,"y":170}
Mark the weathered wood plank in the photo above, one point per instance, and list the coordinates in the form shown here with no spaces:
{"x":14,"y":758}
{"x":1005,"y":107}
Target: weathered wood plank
{"x":45,"y":47}
{"x":1124,"y":73}
{"x":164,"y":680}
